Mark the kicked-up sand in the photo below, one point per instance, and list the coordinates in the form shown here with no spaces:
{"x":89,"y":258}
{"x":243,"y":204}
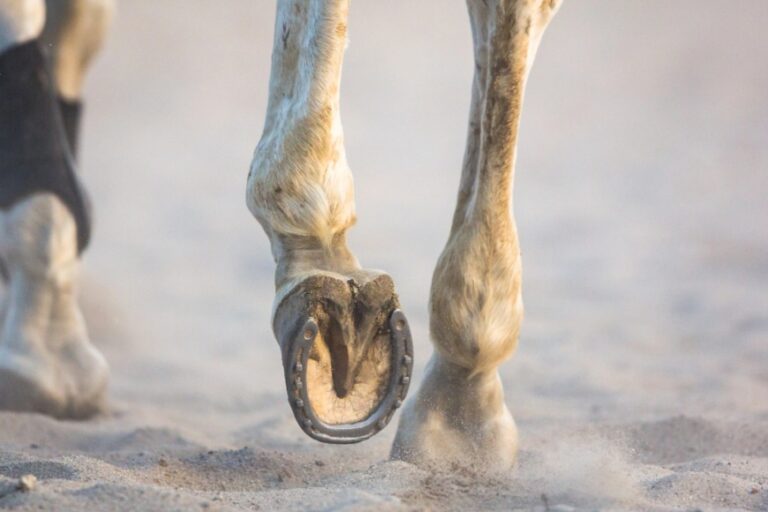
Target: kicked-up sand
{"x":641,"y":380}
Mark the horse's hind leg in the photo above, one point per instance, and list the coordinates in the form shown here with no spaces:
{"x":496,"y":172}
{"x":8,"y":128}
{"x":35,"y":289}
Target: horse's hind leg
{"x":47,"y":363}
{"x":74,"y":33}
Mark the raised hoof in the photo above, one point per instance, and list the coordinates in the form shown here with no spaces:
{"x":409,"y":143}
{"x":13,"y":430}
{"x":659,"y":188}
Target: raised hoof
{"x":347,"y":355}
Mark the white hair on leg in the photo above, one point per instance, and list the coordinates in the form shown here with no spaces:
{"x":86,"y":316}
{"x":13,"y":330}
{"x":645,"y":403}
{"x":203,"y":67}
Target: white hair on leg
{"x":47,"y":363}
{"x":20,"y":21}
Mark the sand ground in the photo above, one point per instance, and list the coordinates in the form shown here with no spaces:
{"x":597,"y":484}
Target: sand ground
{"x":641,"y":381}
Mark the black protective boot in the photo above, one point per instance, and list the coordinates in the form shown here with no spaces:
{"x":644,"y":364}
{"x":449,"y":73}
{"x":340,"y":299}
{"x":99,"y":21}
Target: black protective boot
{"x":35,"y":154}
{"x":71,"y":111}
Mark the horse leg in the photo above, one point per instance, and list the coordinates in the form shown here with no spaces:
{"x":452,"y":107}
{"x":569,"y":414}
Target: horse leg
{"x":459,"y":414}
{"x":346,"y":351}
{"x":47,"y":363}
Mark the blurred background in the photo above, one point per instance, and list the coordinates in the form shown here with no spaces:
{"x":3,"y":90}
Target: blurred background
{"x":640,"y":198}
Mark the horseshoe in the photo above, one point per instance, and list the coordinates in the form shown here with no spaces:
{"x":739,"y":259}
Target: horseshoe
{"x":399,"y":380}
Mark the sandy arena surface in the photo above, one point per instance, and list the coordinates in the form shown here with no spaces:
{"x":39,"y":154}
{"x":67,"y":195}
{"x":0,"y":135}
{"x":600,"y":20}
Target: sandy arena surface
{"x":641,"y":381}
